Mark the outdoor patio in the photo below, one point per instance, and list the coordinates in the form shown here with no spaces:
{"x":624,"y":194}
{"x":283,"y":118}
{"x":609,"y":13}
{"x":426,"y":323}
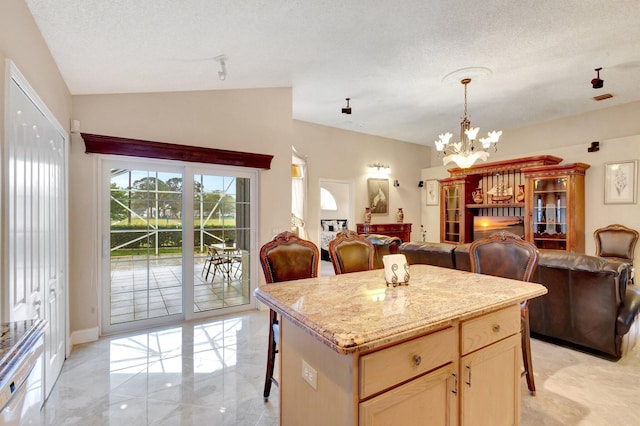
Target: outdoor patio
{"x":143,"y":288}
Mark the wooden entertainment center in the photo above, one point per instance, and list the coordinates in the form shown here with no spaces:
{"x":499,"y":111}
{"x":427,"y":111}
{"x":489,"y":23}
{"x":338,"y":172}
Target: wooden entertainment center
{"x":551,"y":205}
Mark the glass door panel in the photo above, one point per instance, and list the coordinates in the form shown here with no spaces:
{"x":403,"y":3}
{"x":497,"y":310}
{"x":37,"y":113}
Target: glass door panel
{"x":550,"y":213}
{"x":222,"y":231}
{"x":145,"y":245}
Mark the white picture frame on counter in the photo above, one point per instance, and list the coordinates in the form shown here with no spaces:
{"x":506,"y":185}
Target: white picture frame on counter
{"x":620,"y":182}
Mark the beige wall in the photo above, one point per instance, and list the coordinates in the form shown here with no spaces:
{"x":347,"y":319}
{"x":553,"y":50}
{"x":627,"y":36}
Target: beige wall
{"x":243,"y":120}
{"x":618,"y":131}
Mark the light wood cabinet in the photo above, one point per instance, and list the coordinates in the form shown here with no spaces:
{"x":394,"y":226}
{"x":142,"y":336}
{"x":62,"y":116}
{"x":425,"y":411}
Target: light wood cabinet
{"x":467,"y":373}
{"x":554,"y":206}
{"x":490,"y":369}
{"x":427,"y":400}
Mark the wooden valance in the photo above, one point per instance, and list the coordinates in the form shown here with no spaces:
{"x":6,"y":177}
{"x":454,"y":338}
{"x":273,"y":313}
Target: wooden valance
{"x":100,"y":144}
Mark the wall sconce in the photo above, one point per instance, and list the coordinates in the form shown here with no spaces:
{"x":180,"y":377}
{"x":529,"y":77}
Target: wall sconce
{"x":421,"y":184}
{"x":379,"y":168}
{"x":396,"y":183}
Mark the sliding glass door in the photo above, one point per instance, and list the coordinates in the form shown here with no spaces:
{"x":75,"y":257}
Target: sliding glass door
{"x":179,"y":242}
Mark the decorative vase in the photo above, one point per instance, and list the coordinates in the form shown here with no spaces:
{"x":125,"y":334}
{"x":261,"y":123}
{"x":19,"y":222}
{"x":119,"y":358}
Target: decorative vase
{"x":399,"y":215}
{"x":520,"y":194}
{"x":367,"y":215}
{"x":477,"y":196}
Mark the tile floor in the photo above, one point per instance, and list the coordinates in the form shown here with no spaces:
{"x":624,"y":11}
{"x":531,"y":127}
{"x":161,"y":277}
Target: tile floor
{"x":212,"y":373}
{"x":142,"y":289}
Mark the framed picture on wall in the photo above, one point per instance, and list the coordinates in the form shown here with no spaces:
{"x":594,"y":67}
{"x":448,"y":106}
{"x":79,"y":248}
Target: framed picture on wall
{"x":433,"y":190}
{"x":620,"y":182}
{"x":378,"y":195}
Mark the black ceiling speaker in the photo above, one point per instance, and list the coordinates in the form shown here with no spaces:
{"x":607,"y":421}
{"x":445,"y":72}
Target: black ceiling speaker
{"x":347,"y":110}
{"x":596,"y":82}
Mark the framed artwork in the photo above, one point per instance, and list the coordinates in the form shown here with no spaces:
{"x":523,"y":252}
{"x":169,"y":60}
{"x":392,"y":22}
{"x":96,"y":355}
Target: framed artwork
{"x":620,"y":179}
{"x":433,"y":192}
{"x":378,"y":195}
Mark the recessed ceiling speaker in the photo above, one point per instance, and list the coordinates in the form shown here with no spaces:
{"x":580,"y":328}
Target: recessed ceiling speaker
{"x":596,"y":82}
{"x":347,"y":110}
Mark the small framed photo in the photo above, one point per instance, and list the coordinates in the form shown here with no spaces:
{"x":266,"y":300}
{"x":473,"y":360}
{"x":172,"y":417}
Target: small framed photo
{"x":378,"y":195}
{"x":620,"y":181}
{"x":433,"y":192}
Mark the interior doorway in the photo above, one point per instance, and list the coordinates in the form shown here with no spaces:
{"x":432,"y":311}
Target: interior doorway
{"x":337,"y":211}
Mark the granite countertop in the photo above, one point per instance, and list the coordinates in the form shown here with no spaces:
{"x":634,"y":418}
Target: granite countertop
{"x":357,"y":311}
{"x":16,"y":339}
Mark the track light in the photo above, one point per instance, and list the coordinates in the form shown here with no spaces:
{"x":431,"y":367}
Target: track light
{"x":222,"y":74}
{"x":347,"y":110}
{"x":596,"y":82}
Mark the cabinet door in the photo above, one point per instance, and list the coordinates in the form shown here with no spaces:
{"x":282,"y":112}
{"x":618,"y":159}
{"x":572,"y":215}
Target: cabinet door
{"x":549,"y":226}
{"x":451,"y":205}
{"x":427,"y":400}
{"x":490,"y":384}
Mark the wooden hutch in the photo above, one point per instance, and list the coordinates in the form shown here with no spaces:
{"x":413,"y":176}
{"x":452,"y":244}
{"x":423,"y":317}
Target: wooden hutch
{"x":542,"y":179}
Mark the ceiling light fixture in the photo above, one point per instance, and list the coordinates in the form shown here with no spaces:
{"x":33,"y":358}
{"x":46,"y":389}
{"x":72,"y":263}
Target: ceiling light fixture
{"x":222,"y":74}
{"x":347,"y":110}
{"x":465,"y":152}
{"x":596,"y":82}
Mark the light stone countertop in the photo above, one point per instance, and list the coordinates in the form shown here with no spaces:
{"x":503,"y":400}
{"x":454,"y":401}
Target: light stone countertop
{"x":358,"y":312}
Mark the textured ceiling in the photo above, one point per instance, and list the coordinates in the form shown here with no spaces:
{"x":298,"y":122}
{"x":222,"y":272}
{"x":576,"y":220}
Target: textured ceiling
{"x":388,"y":56}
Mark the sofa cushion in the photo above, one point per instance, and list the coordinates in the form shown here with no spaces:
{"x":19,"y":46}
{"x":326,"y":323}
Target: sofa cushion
{"x":427,"y":253}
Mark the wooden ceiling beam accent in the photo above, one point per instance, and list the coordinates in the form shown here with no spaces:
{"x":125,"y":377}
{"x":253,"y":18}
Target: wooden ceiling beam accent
{"x":100,"y":144}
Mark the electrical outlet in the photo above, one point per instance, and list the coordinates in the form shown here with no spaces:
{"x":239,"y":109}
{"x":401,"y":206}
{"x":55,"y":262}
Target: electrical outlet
{"x":309,"y":375}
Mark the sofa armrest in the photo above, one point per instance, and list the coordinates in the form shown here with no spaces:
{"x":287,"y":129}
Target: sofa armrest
{"x":628,"y":310}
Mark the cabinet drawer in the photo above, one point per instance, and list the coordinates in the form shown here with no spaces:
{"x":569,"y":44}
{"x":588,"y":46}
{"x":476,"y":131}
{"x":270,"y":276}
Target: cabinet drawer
{"x":485,"y":330}
{"x":385,"y":368}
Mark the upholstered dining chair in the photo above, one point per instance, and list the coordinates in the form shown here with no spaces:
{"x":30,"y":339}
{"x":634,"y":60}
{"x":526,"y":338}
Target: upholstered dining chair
{"x":350,"y":252}
{"x":617,"y":242}
{"x":286,"y":257}
{"x":507,"y":255}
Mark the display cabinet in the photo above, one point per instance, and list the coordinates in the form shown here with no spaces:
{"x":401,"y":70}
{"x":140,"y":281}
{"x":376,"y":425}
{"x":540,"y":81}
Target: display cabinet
{"x":554,"y":206}
{"x":455,"y":221}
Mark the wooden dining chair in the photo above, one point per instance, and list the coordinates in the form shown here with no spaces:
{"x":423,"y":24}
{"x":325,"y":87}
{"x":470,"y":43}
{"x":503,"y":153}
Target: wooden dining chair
{"x":350,"y":252}
{"x":286,"y":257}
{"x":507,"y":255}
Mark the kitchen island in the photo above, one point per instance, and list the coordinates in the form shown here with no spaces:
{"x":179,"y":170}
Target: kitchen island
{"x":444,"y":349}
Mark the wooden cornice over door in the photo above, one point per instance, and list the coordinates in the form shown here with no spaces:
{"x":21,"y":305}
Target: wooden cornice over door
{"x":100,"y":144}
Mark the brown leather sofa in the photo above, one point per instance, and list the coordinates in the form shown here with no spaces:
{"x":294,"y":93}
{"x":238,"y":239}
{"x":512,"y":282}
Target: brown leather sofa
{"x":427,"y":253}
{"x":383,"y":245}
{"x":590,"y":303}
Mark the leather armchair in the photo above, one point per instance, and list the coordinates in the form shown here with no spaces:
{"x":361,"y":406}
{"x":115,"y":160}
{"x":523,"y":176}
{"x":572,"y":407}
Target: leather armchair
{"x":589,"y":304}
{"x":383,"y":245}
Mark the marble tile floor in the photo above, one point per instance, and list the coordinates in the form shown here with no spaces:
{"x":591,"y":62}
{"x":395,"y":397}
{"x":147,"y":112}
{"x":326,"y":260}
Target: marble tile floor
{"x":213,"y":373}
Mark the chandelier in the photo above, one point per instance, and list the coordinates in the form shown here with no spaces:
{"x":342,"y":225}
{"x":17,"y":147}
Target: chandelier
{"x":469,"y":149}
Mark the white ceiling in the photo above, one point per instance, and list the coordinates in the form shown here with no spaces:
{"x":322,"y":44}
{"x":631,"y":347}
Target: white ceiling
{"x":388,"y":56}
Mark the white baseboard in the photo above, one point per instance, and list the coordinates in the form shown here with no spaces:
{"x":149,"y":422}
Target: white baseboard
{"x":85,"y":336}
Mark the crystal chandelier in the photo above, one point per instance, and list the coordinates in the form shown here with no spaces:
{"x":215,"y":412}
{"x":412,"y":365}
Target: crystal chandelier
{"x":469,"y":149}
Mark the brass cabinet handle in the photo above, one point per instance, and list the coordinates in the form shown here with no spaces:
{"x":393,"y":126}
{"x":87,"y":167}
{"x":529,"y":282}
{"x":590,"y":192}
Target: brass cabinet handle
{"x":496,"y":327}
{"x":468,"y":382}
{"x":417,"y":359}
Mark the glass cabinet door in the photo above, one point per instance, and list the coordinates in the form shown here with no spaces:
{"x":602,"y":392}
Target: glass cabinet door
{"x":550,"y":213}
{"x":452,"y":213}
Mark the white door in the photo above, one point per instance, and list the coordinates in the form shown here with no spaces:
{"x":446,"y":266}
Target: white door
{"x":36,"y":200}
